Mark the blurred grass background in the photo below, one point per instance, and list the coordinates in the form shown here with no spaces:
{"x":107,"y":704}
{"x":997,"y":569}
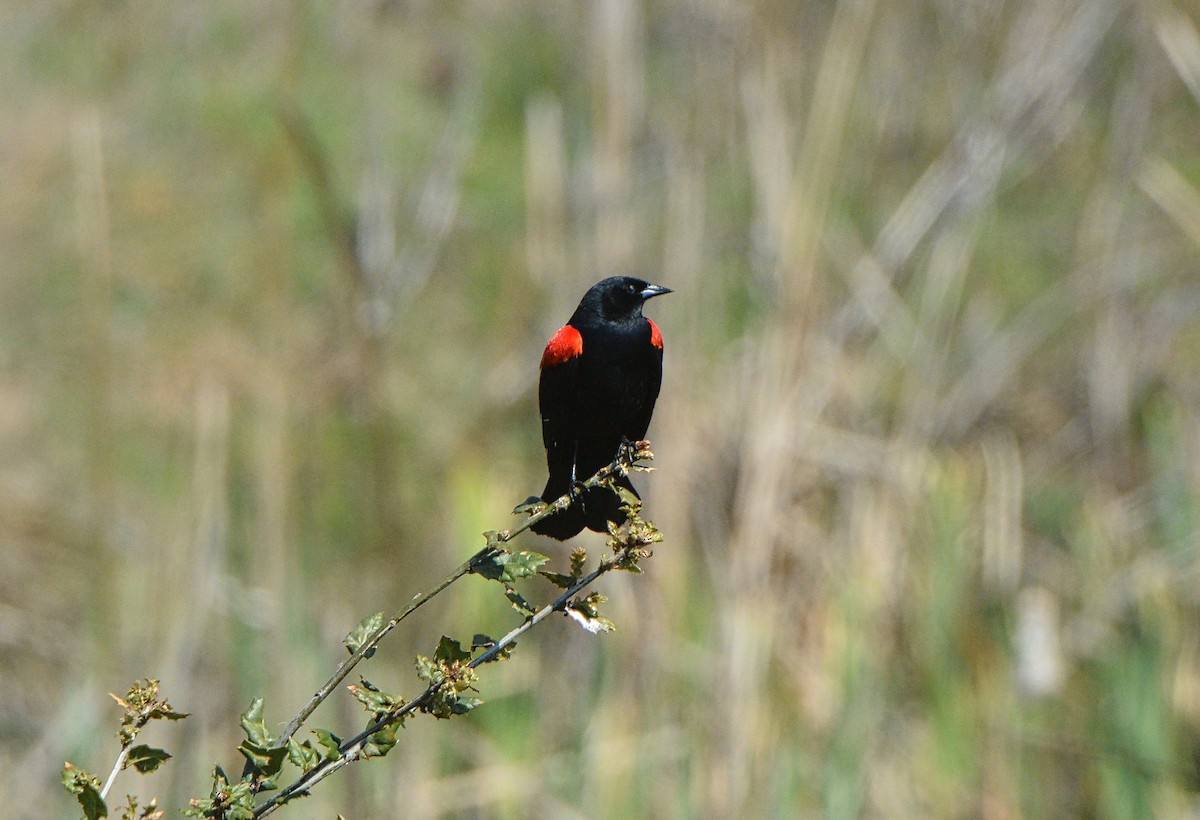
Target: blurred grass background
{"x":275,"y":280}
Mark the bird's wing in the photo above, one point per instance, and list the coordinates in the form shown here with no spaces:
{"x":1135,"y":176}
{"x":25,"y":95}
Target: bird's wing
{"x":557,"y":388}
{"x":654,"y":382}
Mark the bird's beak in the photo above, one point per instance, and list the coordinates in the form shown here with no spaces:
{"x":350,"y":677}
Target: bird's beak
{"x":654,"y":290}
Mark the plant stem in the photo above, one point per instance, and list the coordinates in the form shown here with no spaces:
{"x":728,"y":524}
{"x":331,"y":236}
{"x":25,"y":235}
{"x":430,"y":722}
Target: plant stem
{"x":626,"y":458}
{"x":344,"y":669}
{"x":351,"y":749}
{"x":120,"y":764}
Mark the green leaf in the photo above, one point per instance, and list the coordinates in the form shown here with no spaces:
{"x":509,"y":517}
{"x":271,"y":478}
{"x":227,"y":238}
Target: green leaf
{"x":522,"y":565}
{"x":148,"y":812}
{"x":592,"y":623}
{"x":86,"y":788}
{"x":491,"y":565}
{"x":330,"y":742}
{"x":530,"y":505}
{"x":165,"y":712}
{"x":382,"y":741}
{"x":377,"y":702}
{"x":518,"y":601}
{"x":92,"y":803}
{"x":507,"y":567}
{"x":303,"y":755}
{"x":254,"y":725}
{"x":206,"y":806}
{"x":427,"y":670}
{"x":629,"y":566}
{"x":146,"y":758}
{"x":503,"y":654}
{"x":236,"y":801}
{"x":486,"y":642}
{"x":266,"y":760}
{"x":295,"y":796}
{"x":230,"y":802}
{"x":559,"y":580}
{"x":578,"y":560}
{"x":443,"y":705}
{"x":464,"y":704}
{"x":142,"y":693}
{"x":362,"y":633}
{"x":450,"y":651}
{"x":629,"y":499}
{"x":586,"y":612}
{"x":220,"y":781}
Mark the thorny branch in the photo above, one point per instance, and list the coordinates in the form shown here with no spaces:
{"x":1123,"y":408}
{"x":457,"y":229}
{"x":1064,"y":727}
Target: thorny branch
{"x":351,"y":750}
{"x":628,"y":458}
{"x":141,"y":705}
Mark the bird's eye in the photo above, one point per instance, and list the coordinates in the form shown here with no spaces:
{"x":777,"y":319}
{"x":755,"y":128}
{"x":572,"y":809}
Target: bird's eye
{"x":631,"y":289}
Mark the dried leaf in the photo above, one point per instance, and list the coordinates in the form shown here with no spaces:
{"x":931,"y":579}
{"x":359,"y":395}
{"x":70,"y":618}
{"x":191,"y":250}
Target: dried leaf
{"x":594,"y":623}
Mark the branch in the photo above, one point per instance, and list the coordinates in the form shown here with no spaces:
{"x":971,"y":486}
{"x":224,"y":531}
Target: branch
{"x":628,"y":458}
{"x":351,"y":749}
{"x":120,"y":764}
{"x":450,"y":673}
{"x":141,"y":705}
{"x":368,"y":647}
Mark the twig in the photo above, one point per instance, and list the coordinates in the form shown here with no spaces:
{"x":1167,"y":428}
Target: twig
{"x":141,"y":705}
{"x":626,"y":459}
{"x":117,"y":767}
{"x":342,"y":671}
{"x":350,"y":750}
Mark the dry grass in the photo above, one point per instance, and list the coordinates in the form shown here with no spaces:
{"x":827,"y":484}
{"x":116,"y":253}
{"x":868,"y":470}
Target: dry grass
{"x":276,"y":279}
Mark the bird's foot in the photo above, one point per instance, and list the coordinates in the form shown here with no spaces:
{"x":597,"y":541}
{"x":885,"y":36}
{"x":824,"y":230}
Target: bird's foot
{"x":576,"y":492}
{"x":627,"y":451}
{"x":529,"y":505}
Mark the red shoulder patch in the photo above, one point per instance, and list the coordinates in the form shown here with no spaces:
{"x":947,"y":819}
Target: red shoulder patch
{"x":655,"y":334}
{"x":564,"y":345}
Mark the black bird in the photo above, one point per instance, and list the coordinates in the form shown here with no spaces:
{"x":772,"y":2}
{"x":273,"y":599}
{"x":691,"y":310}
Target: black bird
{"x":600,"y":377}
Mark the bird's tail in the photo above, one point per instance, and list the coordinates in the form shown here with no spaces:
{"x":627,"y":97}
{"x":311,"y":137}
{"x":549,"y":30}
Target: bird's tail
{"x":602,"y":505}
{"x":594,"y":510}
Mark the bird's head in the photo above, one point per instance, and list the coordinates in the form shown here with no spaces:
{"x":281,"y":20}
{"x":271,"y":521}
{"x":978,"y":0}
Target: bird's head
{"x":620,"y":297}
